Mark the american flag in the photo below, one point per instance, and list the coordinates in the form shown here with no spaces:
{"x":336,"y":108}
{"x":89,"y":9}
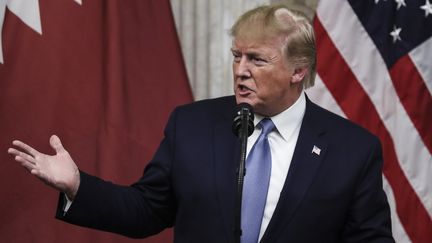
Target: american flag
{"x":375,"y":68}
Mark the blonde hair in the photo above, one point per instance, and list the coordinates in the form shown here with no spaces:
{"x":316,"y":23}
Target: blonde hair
{"x":271,"y":21}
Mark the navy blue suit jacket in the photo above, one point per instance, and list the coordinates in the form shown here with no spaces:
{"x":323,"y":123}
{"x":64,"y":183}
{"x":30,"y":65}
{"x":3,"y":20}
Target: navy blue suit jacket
{"x":190,"y":184}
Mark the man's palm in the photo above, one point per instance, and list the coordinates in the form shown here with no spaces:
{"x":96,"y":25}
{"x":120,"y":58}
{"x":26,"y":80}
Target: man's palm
{"x":58,"y":171}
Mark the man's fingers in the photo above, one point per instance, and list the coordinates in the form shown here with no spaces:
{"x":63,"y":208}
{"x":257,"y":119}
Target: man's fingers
{"x":31,"y":168}
{"x":33,"y":152}
{"x":56,"y":144}
{"x":22,"y":154}
{"x":25,"y":163}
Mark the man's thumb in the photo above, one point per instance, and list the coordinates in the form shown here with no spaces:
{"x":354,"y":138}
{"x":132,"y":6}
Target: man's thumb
{"x":56,"y":144}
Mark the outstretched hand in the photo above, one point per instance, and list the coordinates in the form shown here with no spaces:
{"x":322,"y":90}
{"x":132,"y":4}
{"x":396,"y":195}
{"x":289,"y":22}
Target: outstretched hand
{"x":58,"y":171}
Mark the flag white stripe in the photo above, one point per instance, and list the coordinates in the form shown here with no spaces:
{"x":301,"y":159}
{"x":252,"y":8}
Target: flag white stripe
{"x":418,"y":55}
{"x":321,"y":95}
{"x":370,"y":70}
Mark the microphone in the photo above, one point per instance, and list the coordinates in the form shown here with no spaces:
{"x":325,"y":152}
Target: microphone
{"x":242,"y":127}
{"x":244,"y":116}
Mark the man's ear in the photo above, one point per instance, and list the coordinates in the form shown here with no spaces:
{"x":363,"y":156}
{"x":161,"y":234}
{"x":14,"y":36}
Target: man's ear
{"x":298,"y":75}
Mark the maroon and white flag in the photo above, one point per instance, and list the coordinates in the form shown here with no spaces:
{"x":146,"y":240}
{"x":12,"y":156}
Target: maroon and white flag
{"x":375,"y":68}
{"x":103,"y":76}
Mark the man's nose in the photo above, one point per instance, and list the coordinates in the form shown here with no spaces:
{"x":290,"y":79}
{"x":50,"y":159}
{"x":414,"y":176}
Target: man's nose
{"x":242,"y":68}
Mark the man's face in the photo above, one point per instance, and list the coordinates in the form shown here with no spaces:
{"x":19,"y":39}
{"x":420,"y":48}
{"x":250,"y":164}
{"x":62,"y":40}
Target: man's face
{"x":263,"y":77}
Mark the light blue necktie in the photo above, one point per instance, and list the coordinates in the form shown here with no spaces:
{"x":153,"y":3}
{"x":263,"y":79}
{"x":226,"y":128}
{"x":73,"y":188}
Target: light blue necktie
{"x":256,"y":182}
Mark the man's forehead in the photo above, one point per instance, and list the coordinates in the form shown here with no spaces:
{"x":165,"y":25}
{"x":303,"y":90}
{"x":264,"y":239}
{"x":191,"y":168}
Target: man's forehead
{"x":256,"y":45}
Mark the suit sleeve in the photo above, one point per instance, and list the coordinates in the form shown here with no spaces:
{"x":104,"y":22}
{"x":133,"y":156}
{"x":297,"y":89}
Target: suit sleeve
{"x":368,"y":218}
{"x":145,"y":208}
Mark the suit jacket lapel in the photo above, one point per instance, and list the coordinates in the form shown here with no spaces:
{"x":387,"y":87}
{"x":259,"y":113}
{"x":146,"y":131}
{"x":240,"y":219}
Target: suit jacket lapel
{"x":226,"y":153}
{"x":304,"y":166}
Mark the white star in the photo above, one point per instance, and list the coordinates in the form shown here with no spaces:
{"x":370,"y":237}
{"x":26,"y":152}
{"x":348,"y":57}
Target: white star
{"x":427,"y":8}
{"x":27,"y":11}
{"x":396,"y":34}
{"x":400,"y":3}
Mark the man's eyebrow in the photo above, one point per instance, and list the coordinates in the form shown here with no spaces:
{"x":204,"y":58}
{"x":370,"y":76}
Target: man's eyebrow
{"x":249,"y":53}
{"x":254,"y":54}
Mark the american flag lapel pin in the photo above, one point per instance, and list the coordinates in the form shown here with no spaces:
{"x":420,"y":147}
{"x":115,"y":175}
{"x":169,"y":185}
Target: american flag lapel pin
{"x":316,"y":150}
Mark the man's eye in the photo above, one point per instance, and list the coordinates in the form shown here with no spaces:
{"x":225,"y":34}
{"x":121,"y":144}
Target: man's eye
{"x":237,"y":57}
{"x":259,"y":61}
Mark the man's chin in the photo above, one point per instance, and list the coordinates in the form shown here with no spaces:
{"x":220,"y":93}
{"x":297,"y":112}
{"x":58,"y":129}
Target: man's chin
{"x":240,"y":100}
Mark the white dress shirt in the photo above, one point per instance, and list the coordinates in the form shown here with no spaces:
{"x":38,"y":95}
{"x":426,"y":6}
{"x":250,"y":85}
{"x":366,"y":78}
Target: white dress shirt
{"x":282,"y":144}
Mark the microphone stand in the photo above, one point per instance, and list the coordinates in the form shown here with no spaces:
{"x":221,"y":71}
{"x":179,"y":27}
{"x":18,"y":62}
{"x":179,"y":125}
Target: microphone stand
{"x":243,"y":135}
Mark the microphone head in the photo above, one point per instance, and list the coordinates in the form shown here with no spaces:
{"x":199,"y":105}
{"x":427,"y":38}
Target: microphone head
{"x":244,"y":112}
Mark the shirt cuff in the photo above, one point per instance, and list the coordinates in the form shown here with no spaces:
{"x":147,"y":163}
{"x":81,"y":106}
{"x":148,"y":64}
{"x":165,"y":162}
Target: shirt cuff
{"x":67,"y":205}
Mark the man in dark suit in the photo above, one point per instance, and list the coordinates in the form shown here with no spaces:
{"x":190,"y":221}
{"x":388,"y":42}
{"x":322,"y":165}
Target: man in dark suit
{"x":322,"y":180}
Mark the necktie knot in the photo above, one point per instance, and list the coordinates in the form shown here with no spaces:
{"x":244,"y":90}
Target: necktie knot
{"x":267,"y":126}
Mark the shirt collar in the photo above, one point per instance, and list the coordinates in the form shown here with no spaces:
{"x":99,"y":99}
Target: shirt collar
{"x":288,"y":120}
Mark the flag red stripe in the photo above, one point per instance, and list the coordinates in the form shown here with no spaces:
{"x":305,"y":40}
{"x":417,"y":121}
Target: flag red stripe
{"x":355,"y":103}
{"x":414,"y":96}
